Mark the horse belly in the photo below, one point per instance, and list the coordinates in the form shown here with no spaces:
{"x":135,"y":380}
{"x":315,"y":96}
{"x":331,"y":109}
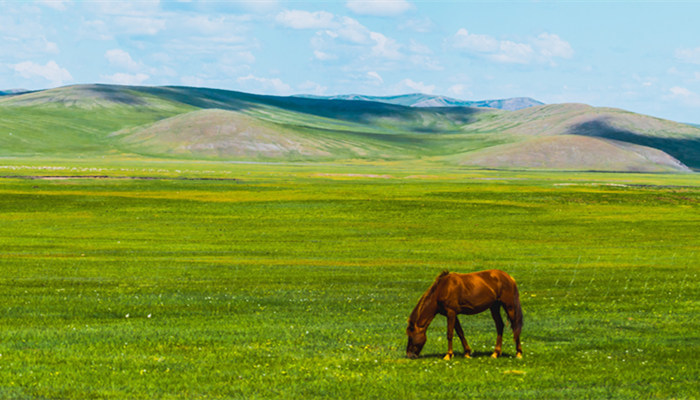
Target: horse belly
{"x":476,"y":302}
{"x":470,"y":310}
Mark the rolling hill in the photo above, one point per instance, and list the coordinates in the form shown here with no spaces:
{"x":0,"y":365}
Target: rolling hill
{"x":225,"y":134}
{"x":200,"y":123}
{"x":573,"y":152}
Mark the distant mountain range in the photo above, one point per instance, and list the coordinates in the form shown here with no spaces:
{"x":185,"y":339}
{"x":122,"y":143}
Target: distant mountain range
{"x":9,"y":92}
{"x":86,"y":121}
{"x":426,"y":100}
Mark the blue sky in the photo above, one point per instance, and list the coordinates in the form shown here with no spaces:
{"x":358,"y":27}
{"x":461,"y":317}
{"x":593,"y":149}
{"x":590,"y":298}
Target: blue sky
{"x":639,"y":56}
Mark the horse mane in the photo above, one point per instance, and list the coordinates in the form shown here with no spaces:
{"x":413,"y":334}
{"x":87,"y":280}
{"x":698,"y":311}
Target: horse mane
{"x":428,"y":293}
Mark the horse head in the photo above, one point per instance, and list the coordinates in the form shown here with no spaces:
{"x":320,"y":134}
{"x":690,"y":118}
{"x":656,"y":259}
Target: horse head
{"x":416,"y":339}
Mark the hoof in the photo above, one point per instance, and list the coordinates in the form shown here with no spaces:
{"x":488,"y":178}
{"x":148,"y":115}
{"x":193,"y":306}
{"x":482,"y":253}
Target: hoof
{"x":467,"y":355}
{"x":494,"y":355}
{"x":448,"y":357}
{"x":519,"y":355}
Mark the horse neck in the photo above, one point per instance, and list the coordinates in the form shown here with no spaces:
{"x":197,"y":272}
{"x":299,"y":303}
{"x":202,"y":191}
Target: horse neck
{"x":425,"y":310}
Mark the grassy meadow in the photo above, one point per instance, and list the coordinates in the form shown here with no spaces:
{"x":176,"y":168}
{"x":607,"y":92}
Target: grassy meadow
{"x":187,"y":280}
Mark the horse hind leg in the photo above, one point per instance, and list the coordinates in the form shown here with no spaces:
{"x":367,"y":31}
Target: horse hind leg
{"x":496,"y":314}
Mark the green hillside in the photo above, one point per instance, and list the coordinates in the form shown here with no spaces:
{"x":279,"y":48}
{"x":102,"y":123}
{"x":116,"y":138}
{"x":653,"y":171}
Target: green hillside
{"x":76,"y":120}
{"x":200,"y":123}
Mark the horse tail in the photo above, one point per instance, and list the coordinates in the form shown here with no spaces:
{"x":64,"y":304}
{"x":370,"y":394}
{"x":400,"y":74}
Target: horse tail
{"x":517,"y":324}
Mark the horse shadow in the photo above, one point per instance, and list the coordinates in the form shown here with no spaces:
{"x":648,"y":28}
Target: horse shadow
{"x":460,"y":355}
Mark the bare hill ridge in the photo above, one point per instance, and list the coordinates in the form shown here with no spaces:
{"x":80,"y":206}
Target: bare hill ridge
{"x":201,"y":123}
{"x":231,"y":134}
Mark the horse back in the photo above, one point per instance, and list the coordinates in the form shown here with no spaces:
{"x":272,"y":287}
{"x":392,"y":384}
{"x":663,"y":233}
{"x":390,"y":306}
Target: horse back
{"x":477,"y":291}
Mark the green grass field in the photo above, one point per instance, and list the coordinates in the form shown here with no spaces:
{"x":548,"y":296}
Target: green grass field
{"x":295,"y":281}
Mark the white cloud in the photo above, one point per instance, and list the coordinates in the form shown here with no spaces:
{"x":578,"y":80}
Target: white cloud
{"x":544,"y":48}
{"x":122,"y":59}
{"x":96,"y":29}
{"x":323,"y":56}
{"x":137,"y":72}
{"x":140,"y":25}
{"x":421,"y":25}
{"x":352,"y":31}
{"x":23,"y":37}
{"x":51,"y":47}
{"x":313,"y":88}
{"x":419,"y":48}
{"x":141,"y":7}
{"x":51,"y":72}
{"x":264,"y":85}
{"x":691,"y":56}
{"x":385,"y":47}
{"x":552,"y":46}
{"x":60,"y":5}
{"x":108,"y":20}
{"x":298,"y":19}
{"x":644,"y":81}
{"x":121,"y":78}
{"x":349,"y":43}
{"x":143,"y":17}
{"x":219,"y":25}
{"x":207,"y":46}
{"x":473,"y":42}
{"x":681,"y":91}
{"x":375,"y":77}
{"x":382,"y":8}
{"x":425,"y":62}
{"x":245,"y":56}
{"x":459,"y":90}
{"x":348,"y":30}
{"x":420,"y":87}
{"x":684,"y":96}
{"x":512,"y":52}
{"x":256,"y":6}
{"x":355,"y":41}
{"x":193,"y":81}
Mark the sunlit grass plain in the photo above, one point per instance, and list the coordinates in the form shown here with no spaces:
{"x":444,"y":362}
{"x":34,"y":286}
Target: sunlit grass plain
{"x":295,"y":281}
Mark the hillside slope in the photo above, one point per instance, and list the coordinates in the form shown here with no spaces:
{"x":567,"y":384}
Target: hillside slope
{"x":75,"y":120}
{"x":573,"y":152}
{"x":680,"y":141}
{"x":200,"y":123}
{"x":224,"y":134}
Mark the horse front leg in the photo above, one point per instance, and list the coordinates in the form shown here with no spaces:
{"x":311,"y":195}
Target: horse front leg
{"x":460,"y":333}
{"x":451,"y":318}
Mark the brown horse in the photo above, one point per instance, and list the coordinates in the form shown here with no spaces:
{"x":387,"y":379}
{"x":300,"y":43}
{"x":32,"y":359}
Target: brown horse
{"x":453,"y":294}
